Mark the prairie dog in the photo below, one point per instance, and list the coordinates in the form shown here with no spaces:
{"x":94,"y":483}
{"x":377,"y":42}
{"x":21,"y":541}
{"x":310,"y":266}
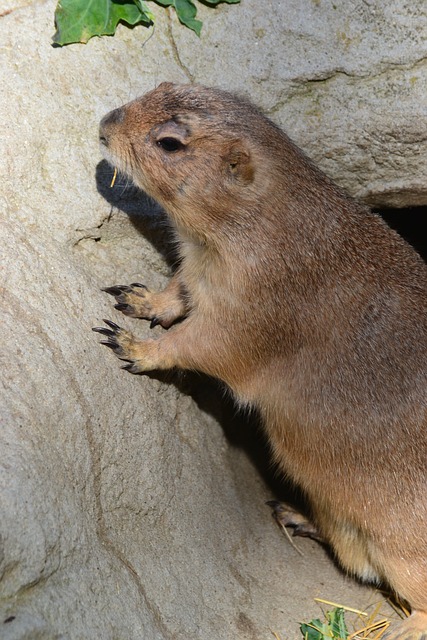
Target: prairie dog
{"x":306,"y":304}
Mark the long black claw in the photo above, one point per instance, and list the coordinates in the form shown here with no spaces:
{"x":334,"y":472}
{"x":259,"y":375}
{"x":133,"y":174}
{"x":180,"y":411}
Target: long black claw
{"x":113,"y":291}
{"x":104,"y":331}
{"x":111,"y":324}
{"x":131,"y":367}
{"x":121,"y":306}
{"x":117,"y":289}
{"x":111,"y":345}
{"x":154,"y":323}
{"x":138,"y":284}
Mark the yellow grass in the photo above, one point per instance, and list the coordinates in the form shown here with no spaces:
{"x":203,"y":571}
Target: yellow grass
{"x":114,"y":178}
{"x":341,"y":606}
{"x":368,"y":625}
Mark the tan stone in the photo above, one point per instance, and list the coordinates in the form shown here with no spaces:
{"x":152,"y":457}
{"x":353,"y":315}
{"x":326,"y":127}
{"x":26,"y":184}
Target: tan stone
{"x":133,"y":507}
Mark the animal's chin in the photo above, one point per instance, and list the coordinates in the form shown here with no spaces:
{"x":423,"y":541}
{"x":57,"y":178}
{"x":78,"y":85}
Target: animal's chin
{"x":114,"y":161}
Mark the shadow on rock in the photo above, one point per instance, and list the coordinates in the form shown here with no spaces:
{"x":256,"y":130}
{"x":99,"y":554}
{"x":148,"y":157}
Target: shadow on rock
{"x":146,"y":215}
{"x":242,"y":428}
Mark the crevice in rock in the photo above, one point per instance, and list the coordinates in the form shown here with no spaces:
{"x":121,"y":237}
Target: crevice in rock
{"x":6,"y":12}
{"x":27,"y":319}
{"x":404,"y":66}
{"x":175,"y":51}
{"x":94,"y":233}
{"x":298,"y":87}
{"x":394,"y":66}
{"x":101,"y":527}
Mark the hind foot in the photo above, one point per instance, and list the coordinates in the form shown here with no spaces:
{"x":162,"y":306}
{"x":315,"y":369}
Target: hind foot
{"x":287,"y":516}
{"x":412,"y":628}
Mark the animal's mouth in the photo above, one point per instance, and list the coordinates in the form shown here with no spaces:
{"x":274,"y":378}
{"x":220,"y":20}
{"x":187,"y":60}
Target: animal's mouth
{"x":110,"y":156}
{"x":111,"y":159}
{"x":105,"y":148}
{"x":103,"y":140}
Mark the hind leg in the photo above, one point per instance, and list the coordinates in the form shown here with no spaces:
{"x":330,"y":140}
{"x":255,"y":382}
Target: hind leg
{"x":348,"y":544}
{"x":287,"y":516}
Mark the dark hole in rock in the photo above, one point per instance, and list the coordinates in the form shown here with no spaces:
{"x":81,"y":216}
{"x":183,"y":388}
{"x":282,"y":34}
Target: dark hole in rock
{"x":410,"y":224}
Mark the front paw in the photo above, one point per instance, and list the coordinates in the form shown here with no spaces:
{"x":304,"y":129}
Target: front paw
{"x":133,"y":300}
{"x":137,"y":301}
{"x":124,"y":345}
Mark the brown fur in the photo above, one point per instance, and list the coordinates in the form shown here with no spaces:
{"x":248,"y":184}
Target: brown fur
{"x":306,"y":304}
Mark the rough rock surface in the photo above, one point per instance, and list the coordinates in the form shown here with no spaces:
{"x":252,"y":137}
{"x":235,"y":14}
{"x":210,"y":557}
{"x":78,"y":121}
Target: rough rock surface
{"x":133,"y":507}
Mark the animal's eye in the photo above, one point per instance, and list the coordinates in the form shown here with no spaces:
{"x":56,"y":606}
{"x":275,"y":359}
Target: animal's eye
{"x":170,"y":144}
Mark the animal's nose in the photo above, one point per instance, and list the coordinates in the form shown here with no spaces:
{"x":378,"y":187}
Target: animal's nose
{"x":112,"y":118}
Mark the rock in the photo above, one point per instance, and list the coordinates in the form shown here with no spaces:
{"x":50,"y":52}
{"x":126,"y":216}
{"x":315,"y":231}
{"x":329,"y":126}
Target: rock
{"x":347,"y":81}
{"x":133,"y":506}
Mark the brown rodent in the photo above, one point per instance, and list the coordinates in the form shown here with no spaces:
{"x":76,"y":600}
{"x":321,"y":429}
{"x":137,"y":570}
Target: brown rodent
{"x":306,"y":304}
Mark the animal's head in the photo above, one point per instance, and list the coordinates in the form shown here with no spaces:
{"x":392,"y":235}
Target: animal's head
{"x":191,"y":148}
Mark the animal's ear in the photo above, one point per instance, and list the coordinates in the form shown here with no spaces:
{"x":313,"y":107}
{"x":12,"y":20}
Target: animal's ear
{"x":165,"y":85}
{"x":240,"y":164}
{"x":172,"y":135}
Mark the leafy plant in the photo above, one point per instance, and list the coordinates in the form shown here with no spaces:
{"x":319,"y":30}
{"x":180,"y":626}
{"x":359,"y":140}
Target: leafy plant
{"x":333,"y":628}
{"x":80,"y":20}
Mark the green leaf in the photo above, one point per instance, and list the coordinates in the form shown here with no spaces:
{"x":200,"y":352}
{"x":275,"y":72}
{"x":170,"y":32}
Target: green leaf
{"x":314,"y":630}
{"x":142,"y":6}
{"x":186,"y":12}
{"x":337,"y":624}
{"x":80,"y":20}
{"x":215,"y":2}
{"x":333,"y":629}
